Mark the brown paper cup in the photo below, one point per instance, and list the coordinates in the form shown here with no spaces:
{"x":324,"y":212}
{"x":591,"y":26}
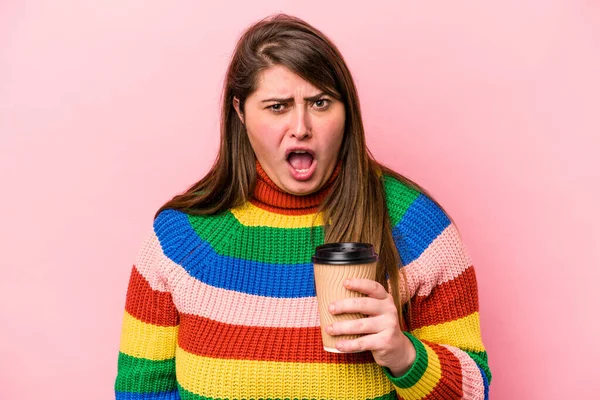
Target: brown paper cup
{"x":329,"y":282}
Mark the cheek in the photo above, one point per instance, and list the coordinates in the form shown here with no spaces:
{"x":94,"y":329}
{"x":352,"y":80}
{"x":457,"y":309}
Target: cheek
{"x":332,"y":133}
{"x":264,"y":135}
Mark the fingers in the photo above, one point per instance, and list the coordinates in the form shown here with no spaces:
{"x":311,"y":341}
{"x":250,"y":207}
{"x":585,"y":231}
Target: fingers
{"x":378,"y":329}
{"x":366,"y":286}
{"x":378,"y":301}
{"x":361,"y":305}
{"x":359,"y":326}
{"x":373,"y":342}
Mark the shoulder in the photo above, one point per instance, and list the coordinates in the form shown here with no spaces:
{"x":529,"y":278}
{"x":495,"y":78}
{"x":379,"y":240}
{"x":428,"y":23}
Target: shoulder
{"x":179,"y":232}
{"x":169,"y":223}
{"x":416,"y":220}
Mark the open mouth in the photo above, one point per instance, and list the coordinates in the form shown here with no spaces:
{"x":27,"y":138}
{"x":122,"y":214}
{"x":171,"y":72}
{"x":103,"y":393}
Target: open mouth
{"x":300,"y":160}
{"x":302,"y":164}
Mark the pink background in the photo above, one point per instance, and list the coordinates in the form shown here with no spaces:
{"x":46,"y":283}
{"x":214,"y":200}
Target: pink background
{"x":109,"y":108}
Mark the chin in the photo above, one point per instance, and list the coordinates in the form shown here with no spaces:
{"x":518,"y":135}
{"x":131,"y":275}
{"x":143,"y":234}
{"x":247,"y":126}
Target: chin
{"x":300,"y":188}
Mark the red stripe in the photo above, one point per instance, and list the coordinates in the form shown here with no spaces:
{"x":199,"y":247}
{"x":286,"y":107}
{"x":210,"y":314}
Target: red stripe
{"x":268,"y":196}
{"x":447,"y":302}
{"x":147,"y":305}
{"x":450,"y":384}
{"x":205,"y":337}
{"x":285,"y":211}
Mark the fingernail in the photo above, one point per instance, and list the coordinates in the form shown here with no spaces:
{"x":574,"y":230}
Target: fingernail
{"x":347,"y":283}
{"x":329,"y":329}
{"x":331,"y":308}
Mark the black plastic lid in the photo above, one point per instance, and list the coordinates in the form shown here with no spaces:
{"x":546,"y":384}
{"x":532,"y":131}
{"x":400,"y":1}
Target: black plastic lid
{"x":345,"y":253}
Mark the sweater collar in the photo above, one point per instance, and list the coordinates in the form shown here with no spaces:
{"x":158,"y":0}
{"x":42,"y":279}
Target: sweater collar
{"x":270,"y":196}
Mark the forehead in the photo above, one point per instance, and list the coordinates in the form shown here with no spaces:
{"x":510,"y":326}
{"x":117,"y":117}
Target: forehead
{"x":278,"y":80}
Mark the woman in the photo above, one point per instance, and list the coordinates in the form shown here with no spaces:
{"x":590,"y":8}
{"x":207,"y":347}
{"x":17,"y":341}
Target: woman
{"x":221,"y":301}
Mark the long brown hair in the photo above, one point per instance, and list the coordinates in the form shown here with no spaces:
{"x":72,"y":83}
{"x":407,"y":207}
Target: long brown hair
{"x":356,"y":207}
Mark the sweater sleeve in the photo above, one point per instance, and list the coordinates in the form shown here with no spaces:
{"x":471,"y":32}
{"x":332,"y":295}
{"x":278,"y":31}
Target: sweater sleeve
{"x":146,"y":363}
{"x":451,"y":360}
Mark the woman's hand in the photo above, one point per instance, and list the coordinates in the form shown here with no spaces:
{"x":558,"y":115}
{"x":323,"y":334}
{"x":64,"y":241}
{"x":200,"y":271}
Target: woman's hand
{"x":381,"y":329}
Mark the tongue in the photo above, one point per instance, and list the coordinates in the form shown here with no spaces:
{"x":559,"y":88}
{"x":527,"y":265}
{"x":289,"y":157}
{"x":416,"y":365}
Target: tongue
{"x":300,"y":161}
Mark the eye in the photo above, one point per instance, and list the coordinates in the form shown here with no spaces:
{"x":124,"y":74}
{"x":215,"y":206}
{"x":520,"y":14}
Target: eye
{"x":277,"y":108}
{"x":322,"y":104}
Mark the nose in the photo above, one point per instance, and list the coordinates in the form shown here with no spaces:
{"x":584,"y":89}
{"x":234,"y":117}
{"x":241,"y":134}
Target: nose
{"x":301,"y":127}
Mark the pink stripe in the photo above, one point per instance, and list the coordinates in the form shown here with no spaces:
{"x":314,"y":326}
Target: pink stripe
{"x":149,"y":263}
{"x":472,"y":382}
{"x":192,"y":296}
{"x":444,"y":259}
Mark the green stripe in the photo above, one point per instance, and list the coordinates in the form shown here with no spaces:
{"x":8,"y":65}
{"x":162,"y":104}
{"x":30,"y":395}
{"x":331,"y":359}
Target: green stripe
{"x":416,"y":371}
{"x":268,"y":245}
{"x":187,"y":395}
{"x":282,"y":245}
{"x":140,"y":375}
{"x":398,"y":198}
{"x":481,"y":358}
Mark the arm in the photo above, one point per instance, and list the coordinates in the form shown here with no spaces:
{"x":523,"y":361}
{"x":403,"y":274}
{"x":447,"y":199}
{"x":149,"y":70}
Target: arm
{"x":442,"y":357}
{"x":146,"y":365}
{"x":451,"y":361}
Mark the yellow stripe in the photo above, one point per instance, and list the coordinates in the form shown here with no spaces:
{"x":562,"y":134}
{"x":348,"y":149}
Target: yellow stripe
{"x":463,"y":333}
{"x":249,"y":379}
{"x":142,"y":340}
{"x":428,"y":382}
{"x":250,"y":215}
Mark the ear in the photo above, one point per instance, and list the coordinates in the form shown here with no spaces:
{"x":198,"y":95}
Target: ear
{"x":236,"y":105}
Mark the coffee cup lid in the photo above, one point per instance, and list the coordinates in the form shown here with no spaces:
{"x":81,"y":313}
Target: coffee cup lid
{"x":345,"y":253}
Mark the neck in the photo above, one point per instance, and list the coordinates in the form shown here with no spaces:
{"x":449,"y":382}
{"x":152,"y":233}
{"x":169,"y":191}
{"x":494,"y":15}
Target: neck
{"x":271,"y":197}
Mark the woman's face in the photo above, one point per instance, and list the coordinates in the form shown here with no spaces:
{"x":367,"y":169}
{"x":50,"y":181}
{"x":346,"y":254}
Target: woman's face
{"x":295,"y":130}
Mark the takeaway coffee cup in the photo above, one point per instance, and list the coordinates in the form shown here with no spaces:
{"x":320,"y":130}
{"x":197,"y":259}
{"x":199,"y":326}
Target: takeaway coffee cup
{"x":333,"y":263}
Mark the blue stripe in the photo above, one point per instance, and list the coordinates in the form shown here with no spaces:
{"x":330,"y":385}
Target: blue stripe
{"x":183,"y":246}
{"x":147,"y":396}
{"x":486,"y":384}
{"x":421,"y":224}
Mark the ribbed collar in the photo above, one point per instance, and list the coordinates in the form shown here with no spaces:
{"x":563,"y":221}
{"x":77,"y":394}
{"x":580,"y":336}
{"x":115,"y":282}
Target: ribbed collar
{"x":268,"y":194}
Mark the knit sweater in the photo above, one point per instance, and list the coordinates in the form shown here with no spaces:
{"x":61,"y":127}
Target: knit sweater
{"x":223,"y":307}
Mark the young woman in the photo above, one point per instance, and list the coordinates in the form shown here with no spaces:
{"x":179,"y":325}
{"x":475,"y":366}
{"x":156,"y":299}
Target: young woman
{"x":221,"y":301}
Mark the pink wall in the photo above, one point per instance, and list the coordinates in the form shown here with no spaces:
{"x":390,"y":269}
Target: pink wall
{"x":109,"y":108}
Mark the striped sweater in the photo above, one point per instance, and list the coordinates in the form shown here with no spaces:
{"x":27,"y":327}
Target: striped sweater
{"x":224,"y":307}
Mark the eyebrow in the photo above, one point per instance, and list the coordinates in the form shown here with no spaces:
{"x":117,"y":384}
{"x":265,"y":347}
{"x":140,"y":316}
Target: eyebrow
{"x":288,"y":100}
